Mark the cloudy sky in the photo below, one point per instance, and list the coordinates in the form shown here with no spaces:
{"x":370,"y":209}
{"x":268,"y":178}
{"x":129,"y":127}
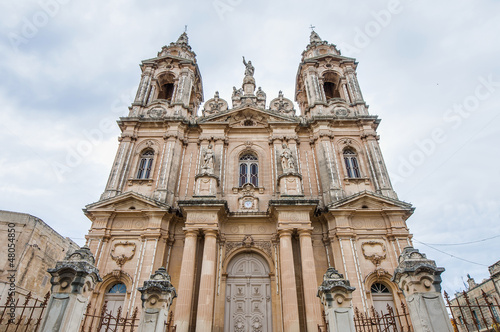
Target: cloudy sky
{"x":429,"y":69}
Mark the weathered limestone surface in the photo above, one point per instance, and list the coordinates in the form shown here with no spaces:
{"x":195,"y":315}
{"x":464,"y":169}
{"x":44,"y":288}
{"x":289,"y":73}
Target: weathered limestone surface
{"x":73,"y":280}
{"x":419,"y":279}
{"x":335,"y":293}
{"x":157,"y":295}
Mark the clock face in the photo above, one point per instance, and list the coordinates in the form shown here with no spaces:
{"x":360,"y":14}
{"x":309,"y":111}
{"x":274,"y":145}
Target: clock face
{"x":248,"y":204}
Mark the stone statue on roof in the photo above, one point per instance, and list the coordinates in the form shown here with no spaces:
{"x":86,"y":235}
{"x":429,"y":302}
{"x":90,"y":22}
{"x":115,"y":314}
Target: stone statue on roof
{"x":249,"y":69}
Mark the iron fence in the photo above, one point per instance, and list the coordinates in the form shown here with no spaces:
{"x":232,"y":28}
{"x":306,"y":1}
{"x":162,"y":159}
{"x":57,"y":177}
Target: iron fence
{"x":22,"y":316}
{"x":169,"y":325}
{"x":105,"y":321}
{"x":323,"y":327}
{"x":393,"y":320}
{"x":480,"y":314}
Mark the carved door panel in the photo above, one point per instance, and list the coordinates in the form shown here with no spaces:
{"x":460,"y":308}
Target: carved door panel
{"x":248,"y":297}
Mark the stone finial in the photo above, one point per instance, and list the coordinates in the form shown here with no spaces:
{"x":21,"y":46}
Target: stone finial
{"x":315,"y":38}
{"x":73,"y":280}
{"x":415,"y":273}
{"x":157,"y":295}
{"x":333,"y":281}
{"x":73,"y":270}
{"x":158,"y":284}
{"x":183,"y":39}
{"x":419,"y":279}
{"x":335,"y":293}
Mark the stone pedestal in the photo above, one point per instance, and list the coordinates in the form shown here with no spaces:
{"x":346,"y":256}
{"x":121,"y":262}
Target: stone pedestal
{"x":335,"y":293}
{"x":73,"y":280}
{"x":290,"y":184}
{"x":420,"y":281}
{"x":157,"y":295}
{"x":206,"y":185}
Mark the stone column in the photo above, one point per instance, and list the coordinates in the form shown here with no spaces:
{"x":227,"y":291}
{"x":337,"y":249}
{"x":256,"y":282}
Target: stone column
{"x":207,"y":283}
{"x":186,"y":282}
{"x":157,"y":295}
{"x":288,"y":286}
{"x":309,"y":281}
{"x":335,"y":293}
{"x":420,"y":281}
{"x":73,"y":280}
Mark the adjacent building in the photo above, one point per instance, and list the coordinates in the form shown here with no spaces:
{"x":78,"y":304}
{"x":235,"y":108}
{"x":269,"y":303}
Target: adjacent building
{"x":478,"y":307}
{"x":37,"y":248}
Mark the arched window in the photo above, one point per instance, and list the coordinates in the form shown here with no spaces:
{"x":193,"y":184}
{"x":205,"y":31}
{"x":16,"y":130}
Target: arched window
{"x":145,"y":164}
{"x":381,"y":297}
{"x":115,"y":297}
{"x":378,"y":288}
{"x":351,"y":164}
{"x":249,"y":170}
{"x":118,"y":289}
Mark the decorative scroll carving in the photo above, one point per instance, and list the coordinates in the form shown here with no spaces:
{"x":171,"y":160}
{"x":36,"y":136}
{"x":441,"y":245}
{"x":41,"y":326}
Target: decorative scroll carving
{"x":122,"y":252}
{"x":248,"y":201}
{"x":248,"y":242}
{"x":214,"y":105}
{"x":282,"y":105}
{"x":374,"y":251}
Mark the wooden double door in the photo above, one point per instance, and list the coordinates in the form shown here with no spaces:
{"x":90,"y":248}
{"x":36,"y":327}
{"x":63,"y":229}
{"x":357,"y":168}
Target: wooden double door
{"x":248,"y":295}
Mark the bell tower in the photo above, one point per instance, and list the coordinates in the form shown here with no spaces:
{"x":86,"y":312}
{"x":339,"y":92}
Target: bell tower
{"x":172,"y":80}
{"x":148,"y":158}
{"x":326,"y":78}
{"x":328,"y":93}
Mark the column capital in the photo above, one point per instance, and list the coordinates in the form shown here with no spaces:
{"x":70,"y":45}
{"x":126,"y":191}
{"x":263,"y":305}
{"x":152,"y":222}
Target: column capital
{"x":306,"y":231}
{"x":191,"y":232}
{"x":282,"y":232}
{"x":210,"y":232}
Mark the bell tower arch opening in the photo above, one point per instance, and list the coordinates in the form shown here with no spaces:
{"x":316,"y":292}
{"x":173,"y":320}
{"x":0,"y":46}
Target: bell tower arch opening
{"x":248,"y":294}
{"x":166,"y":86}
{"x":331,"y":82}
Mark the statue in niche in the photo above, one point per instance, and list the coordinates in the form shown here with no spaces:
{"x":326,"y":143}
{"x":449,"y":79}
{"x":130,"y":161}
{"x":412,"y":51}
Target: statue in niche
{"x":208,"y":160}
{"x":287,"y":160}
{"x":249,"y":69}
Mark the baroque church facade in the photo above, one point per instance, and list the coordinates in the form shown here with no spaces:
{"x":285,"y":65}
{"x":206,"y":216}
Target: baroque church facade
{"x":247,"y":205}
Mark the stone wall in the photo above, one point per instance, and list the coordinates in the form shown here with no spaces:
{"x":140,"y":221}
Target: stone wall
{"x":38,"y":248}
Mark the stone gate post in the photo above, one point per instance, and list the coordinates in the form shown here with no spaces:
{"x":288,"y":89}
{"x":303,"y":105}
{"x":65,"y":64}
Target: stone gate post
{"x":335,"y":293}
{"x":157,"y":295}
{"x":420,"y":281}
{"x":73,"y":280}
